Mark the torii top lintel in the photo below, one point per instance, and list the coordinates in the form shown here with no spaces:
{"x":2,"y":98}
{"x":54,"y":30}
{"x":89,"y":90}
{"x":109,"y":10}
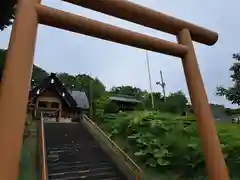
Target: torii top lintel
{"x":147,"y":17}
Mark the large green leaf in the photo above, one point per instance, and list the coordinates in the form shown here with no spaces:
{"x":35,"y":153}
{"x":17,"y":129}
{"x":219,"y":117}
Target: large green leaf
{"x":165,"y":142}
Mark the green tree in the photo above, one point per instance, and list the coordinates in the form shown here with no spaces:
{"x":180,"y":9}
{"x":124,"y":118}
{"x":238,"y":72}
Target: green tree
{"x":232,"y":93}
{"x":70,"y":81}
{"x":100,"y":105}
{"x":128,"y":90}
{"x":158,"y":100}
{"x":2,"y":60}
{"x":93,"y":87}
{"x":6,"y":13}
{"x":102,"y":101}
{"x":38,"y":74}
{"x":177,"y":102}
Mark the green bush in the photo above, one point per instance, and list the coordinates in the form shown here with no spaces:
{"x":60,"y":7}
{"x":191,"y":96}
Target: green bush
{"x":111,"y":107}
{"x":139,"y":107}
{"x":166,"y":142}
{"x":231,"y":112}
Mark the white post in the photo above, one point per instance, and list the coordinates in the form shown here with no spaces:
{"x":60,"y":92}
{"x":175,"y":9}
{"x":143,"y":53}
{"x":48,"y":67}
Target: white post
{"x":150,"y":80}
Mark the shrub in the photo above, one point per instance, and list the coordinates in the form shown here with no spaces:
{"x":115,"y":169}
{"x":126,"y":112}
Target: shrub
{"x":166,"y":142}
{"x":111,"y":107}
{"x":231,"y":112}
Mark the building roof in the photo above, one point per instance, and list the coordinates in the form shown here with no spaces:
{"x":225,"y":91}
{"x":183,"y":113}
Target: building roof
{"x":75,"y":99}
{"x":123,"y":98}
{"x":80,"y":98}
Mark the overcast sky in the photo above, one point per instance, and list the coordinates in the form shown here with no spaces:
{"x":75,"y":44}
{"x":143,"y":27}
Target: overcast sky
{"x":114,"y":64}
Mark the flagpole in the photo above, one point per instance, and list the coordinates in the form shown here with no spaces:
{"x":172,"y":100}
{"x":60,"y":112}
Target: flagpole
{"x":150,"y":80}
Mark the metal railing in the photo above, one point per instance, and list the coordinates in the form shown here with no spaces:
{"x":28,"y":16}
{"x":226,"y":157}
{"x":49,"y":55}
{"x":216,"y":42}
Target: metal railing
{"x":127,"y":160}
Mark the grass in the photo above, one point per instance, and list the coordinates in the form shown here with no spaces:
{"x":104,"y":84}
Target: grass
{"x":28,"y":163}
{"x":229,"y":135}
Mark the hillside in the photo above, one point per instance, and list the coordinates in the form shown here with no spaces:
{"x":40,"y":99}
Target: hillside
{"x":168,"y":143}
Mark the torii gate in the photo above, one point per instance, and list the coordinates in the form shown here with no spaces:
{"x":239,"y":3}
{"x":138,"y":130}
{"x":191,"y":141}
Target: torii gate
{"x":19,"y":63}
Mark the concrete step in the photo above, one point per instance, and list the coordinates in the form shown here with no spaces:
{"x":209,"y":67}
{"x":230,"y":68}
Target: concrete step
{"x":73,"y":154}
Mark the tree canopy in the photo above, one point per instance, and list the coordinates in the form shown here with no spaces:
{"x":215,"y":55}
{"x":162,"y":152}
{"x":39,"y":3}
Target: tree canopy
{"x":97,"y":94}
{"x":177,"y":102}
{"x":128,"y":90}
{"x":232,"y":93}
{"x":93,"y":87}
{"x":38,"y":73}
{"x":2,"y":60}
{"x":6,"y":13}
{"x":157,"y":98}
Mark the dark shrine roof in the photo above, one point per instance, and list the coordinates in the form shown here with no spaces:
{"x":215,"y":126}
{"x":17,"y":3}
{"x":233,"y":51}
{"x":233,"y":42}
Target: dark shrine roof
{"x":81,"y":99}
{"x":124,"y":98}
{"x":75,"y":99}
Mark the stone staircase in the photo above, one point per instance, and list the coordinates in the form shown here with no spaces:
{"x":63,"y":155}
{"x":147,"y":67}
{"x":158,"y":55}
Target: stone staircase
{"x":73,"y":154}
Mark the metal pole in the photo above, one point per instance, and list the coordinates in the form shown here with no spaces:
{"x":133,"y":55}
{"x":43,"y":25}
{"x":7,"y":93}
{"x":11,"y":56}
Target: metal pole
{"x":163,"y":86}
{"x":214,"y":159}
{"x":150,"y":81}
{"x":15,"y":87}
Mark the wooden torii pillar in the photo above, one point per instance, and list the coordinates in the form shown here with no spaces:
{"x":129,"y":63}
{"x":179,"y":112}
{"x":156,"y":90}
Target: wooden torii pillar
{"x":15,"y":87}
{"x":19,"y":62}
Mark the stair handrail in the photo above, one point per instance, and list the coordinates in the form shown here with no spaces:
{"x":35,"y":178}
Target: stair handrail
{"x":116,"y":146}
{"x":44,"y":174}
